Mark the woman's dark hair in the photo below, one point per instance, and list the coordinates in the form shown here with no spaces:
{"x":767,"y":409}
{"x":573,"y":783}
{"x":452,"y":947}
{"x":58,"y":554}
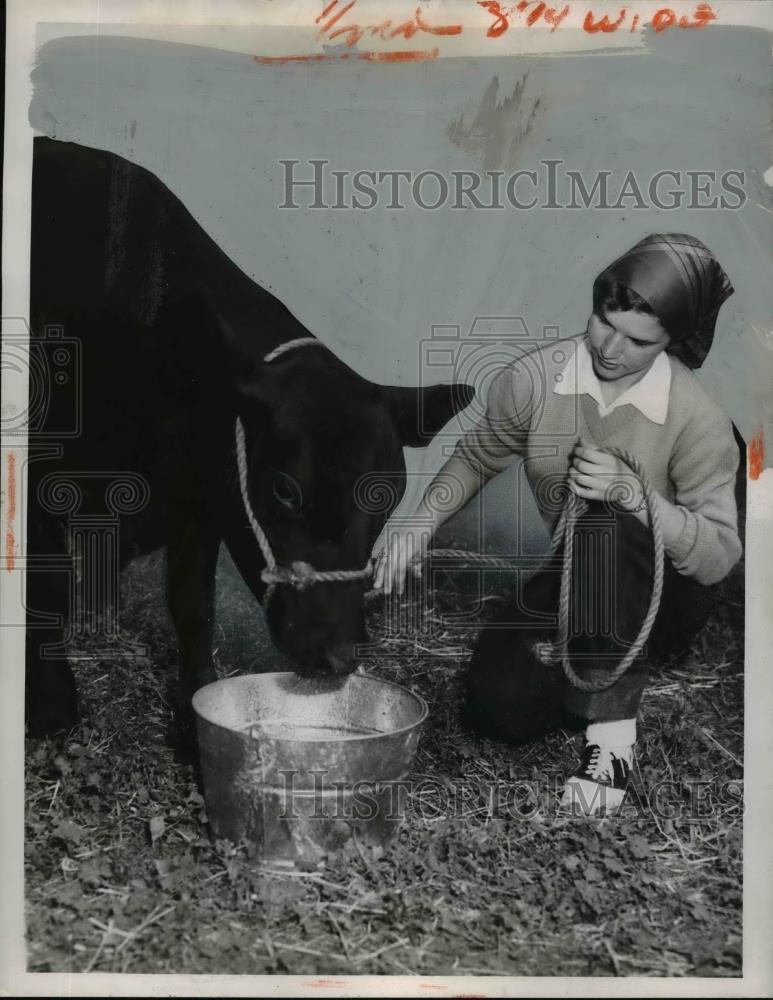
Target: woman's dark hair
{"x":610,"y":296}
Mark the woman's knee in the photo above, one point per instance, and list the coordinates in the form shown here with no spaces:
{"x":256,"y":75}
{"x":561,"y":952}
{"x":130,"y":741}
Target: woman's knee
{"x":509,"y":693}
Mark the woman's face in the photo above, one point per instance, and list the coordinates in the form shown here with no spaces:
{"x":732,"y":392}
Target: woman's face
{"x":624,"y":344}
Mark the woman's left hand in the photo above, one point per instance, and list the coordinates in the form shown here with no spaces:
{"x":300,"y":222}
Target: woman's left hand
{"x":594,"y":474}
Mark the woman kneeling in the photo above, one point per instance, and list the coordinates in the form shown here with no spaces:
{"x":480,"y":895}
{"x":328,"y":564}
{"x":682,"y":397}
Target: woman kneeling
{"x":623,"y":385}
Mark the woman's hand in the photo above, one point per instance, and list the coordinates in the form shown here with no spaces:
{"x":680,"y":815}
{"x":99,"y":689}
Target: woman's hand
{"x":450,"y":490}
{"x":397,"y":557}
{"x":594,"y":474}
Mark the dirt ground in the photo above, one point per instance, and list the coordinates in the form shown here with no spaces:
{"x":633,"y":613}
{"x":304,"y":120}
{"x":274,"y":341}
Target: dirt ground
{"x":122,"y":876}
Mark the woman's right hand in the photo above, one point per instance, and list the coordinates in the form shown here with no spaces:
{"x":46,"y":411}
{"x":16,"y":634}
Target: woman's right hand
{"x":453,"y":486}
{"x":403,"y":552}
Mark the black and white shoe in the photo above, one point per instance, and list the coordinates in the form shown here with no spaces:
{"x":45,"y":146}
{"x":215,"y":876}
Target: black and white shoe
{"x":600,"y":782}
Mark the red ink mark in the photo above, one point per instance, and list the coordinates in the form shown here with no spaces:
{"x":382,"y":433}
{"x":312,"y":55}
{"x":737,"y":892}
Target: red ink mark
{"x":10,"y":540}
{"x":592,"y":26}
{"x":431,"y":986}
{"x":409,"y":55}
{"x":666,"y":18}
{"x":381,"y":29}
{"x":326,"y":11}
{"x":501,"y":24}
{"x":703,"y":15}
{"x":332,"y":25}
{"x":555,"y":17}
{"x":663,"y":18}
{"x":540,"y":9}
{"x":280,"y":60}
{"x":354,"y":32}
{"x":441,"y":29}
{"x":535,"y":14}
{"x":398,"y":57}
{"x":756,"y":455}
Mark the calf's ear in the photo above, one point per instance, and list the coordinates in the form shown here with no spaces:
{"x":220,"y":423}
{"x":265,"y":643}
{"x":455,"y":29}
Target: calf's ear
{"x":240,"y":359}
{"x":420,"y":413}
{"x":233,"y":360}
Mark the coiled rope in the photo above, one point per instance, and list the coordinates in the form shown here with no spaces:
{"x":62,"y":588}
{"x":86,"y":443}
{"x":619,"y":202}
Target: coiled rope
{"x":302,"y":575}
{"x":564,"y":534}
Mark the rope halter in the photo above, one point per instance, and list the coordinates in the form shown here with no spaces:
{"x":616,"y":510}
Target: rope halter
{"x":299,"y":574}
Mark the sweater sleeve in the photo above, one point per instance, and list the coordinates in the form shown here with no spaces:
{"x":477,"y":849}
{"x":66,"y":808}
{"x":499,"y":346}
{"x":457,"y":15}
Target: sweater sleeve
{"x":502,"y":432}
{"x":703,"y":470}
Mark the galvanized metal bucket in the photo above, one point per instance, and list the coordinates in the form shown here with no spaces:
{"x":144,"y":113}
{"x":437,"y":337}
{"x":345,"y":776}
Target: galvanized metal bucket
{"x":297,"y":766}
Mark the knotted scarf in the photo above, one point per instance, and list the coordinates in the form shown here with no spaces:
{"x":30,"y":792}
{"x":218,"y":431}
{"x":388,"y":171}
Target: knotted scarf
{"x":682,"y":282}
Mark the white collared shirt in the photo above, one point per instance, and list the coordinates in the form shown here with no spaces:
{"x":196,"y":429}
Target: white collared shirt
{"x":649,"y":395}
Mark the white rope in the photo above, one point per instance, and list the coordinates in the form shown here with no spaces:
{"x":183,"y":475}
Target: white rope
{"x":258,"y":532}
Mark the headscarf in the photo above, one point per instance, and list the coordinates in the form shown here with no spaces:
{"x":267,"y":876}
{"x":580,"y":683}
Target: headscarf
{"x":683,"y":283}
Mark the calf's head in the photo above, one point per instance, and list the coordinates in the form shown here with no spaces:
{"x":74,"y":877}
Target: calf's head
{"x":325,"y":464}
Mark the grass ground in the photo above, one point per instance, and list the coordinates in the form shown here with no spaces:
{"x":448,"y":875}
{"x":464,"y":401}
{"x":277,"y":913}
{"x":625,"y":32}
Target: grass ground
{"x":486,"y":875}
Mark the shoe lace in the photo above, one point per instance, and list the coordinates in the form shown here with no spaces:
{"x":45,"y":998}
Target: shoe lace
{"x":600,"y":764}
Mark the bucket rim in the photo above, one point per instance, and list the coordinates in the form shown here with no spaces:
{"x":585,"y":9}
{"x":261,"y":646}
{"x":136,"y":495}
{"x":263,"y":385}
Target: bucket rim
{"x":421,"y":703}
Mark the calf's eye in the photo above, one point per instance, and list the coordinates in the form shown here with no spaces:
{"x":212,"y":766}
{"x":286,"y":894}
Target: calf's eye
{"x":286,"y":491}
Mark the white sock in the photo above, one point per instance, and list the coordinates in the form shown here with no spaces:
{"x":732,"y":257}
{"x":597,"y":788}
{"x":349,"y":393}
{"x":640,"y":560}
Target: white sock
{"x":620,"y":734}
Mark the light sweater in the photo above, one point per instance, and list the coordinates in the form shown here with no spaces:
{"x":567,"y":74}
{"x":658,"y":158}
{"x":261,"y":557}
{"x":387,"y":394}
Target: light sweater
{"x":649,"y":395}
{"x":691,"y":458}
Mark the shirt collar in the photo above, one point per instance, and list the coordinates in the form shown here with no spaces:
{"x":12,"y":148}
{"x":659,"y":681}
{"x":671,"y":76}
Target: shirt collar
{"x":649,"y":395}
